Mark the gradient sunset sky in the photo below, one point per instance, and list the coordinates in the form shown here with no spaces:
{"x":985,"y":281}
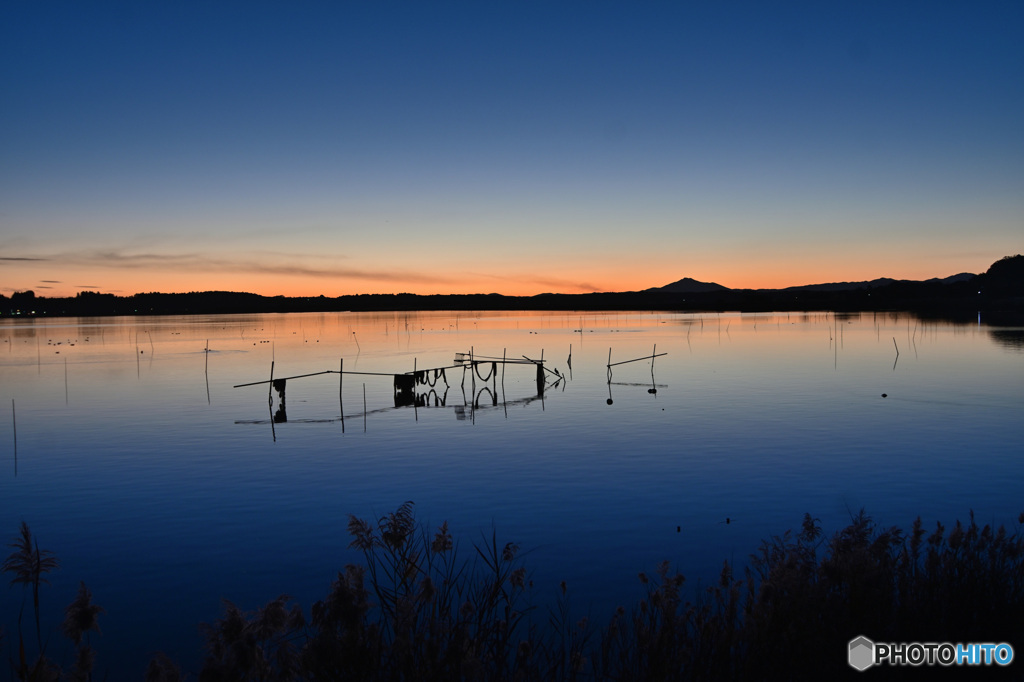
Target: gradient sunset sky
{"x":308,"y":148}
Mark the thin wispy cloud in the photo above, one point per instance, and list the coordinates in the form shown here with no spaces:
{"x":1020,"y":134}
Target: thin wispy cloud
{"x":552,"y":283}
{"x":20,"y":258}
{"x":286,"y":264}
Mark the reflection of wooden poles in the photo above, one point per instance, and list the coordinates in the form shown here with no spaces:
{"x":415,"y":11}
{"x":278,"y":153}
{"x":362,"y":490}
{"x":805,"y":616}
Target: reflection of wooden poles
{"x":270,"y":411}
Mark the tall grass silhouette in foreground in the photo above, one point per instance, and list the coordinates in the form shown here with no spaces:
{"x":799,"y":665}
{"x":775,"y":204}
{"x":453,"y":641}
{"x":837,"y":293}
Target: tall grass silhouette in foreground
{"x":28,"y":563}
{"x":417,"y":610}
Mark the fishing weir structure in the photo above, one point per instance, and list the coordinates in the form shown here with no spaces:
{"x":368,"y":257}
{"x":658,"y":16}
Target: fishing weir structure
{"x":420,"y":387}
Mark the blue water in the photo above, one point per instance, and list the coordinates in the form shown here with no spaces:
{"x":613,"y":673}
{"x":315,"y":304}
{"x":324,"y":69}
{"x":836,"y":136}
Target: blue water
{"x":167,"y":490}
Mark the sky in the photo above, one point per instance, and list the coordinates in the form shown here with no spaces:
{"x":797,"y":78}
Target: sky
{"x":330,"y":148}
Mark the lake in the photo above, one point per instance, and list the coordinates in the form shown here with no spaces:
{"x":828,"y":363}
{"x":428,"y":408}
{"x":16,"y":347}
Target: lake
{"x":131,"y":454}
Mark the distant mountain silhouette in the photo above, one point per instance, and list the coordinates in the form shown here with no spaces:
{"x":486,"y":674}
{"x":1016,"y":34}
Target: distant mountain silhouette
{"x":880,"y":282}
{"x":687,"y":285}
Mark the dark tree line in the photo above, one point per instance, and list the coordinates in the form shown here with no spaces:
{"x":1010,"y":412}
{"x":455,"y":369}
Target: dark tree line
{"x":1001,"y":288}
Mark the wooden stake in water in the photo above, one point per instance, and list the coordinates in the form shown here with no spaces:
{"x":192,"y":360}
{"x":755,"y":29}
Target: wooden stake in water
{"x":65,"y":381}
{"x":364,"y":408}
{"x":206,"y":371}
{"x":270,"y":385}
{"x":341,"y":383}
{"x":14,"y":422}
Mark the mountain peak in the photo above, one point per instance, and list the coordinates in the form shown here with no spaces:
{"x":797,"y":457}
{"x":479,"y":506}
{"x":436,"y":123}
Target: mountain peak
{"x":688,"y":285}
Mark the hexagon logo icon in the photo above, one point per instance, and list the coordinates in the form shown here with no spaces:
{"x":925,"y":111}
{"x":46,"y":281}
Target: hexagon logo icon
{"x":862,"y":653}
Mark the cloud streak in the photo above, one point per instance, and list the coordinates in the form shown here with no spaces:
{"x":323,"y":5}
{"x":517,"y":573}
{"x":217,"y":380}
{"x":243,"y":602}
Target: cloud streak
{"x":287,"y":265}
{"x":552,"y":283}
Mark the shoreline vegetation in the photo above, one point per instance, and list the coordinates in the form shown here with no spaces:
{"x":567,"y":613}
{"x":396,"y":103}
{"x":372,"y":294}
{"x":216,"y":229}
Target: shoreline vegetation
{"x":419,"y":608}
{"x":1000,"y":290}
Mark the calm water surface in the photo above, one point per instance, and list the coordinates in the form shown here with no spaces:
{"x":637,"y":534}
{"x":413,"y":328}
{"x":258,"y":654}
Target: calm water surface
{"x":166,"y":489}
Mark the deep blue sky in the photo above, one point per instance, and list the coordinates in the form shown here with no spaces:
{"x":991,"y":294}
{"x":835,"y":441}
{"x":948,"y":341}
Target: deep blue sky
{"x":307,"y":148}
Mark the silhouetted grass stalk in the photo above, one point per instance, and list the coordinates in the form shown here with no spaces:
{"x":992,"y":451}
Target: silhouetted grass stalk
{"x":415,"y":610}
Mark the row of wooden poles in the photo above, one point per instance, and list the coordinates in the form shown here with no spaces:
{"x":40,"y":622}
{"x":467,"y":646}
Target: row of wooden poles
{"x":473,"y":362}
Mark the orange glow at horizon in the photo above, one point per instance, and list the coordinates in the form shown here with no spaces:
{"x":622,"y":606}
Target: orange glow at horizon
{"x":483,"y":271}
{"x":581,"y":281}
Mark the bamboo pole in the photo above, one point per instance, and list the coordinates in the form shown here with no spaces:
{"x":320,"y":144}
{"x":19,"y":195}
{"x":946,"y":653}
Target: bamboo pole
{"x":646,"y":357}
{"x":270,"y":385}
{"x":14,"y":423}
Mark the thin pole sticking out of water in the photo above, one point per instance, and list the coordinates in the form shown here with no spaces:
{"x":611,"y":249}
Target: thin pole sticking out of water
{"x":270,"y":385}
{"x":206,"y":371}
{"x":341,"y":383}
{"x":542,"y":404}
{"x":503,"y":403}
{"x":654,"y":354}
{"x":65,"y":380}
{"x":364,"y":408}
{"x":14,"y":422}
